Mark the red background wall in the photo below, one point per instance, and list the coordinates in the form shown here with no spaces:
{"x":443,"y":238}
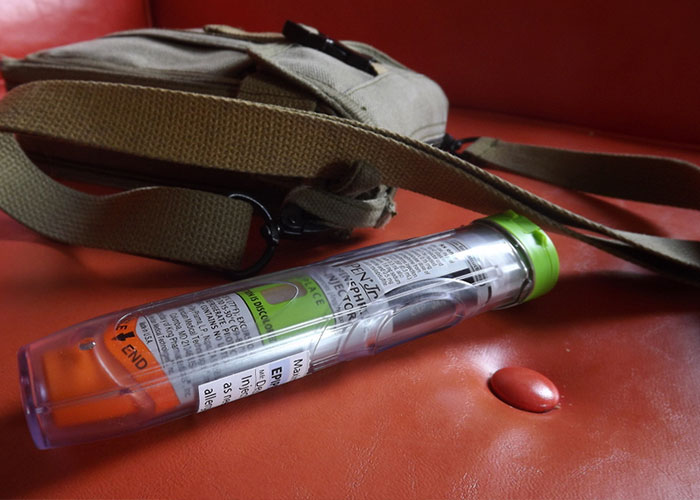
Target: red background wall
{"x":624,"y":66}
{"x":30,"y":25}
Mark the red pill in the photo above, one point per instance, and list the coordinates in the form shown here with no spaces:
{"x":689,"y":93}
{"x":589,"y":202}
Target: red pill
{"x":524,"y":389}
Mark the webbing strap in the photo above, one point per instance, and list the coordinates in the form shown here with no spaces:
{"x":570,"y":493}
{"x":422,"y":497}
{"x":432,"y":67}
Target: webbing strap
{"x":231,"y":134}
{"x":163,"y":222}
{"x":652,"y":179}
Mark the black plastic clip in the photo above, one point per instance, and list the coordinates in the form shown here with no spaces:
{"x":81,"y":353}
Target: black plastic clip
{"x":298,"y":33}
{"x":293,"y":222}
{"x":453,"y":146}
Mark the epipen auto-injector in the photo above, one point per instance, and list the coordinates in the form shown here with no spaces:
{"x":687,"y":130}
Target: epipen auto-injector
{"x":137,"y":368}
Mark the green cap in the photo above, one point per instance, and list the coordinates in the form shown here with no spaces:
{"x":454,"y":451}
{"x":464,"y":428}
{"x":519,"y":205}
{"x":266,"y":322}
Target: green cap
{"x":539,"y":248}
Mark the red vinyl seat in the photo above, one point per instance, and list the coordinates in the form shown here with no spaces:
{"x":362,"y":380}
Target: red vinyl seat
{"x":419,"y":421}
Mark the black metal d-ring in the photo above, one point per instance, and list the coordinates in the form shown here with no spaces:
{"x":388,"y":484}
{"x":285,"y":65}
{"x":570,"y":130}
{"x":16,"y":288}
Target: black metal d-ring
{"x":269,"y":230}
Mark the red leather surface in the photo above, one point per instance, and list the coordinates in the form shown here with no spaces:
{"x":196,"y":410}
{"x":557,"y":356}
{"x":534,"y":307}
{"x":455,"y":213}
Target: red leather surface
{"x":621,"y":65}
{"x":418,"y":421}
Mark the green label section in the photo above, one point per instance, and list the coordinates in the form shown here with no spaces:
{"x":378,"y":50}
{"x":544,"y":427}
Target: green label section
{"x":282,"y":310}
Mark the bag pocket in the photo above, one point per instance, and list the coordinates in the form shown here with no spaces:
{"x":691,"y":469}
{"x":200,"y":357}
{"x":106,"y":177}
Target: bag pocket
{"x":173,"y":59}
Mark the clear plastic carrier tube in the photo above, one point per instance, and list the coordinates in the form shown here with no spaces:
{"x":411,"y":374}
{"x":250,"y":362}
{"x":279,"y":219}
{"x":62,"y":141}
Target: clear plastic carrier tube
{"x":137,"y":368}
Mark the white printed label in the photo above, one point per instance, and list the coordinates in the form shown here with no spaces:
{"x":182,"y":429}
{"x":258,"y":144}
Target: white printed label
{"x":351,"y":288}
{"x":194,"y":342}
{"x":248,"y":382}
{"x":429,"y":260}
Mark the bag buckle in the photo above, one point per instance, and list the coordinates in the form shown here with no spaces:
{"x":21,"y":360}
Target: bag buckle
{"x":309,"y":37}
{"x":293,"y":222}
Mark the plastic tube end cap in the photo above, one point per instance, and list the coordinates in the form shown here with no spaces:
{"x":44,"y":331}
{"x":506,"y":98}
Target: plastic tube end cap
{"x":539,"y":248}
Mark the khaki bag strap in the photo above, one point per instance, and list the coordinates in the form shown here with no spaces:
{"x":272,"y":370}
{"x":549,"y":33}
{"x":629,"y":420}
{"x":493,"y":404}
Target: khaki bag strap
{"x":165,"y":222}
{"x":189,"y":128}
{"x":651,"y":179}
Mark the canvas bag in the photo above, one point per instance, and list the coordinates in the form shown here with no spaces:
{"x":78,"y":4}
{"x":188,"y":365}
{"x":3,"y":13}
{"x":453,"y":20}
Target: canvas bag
{"x":303,"y":136}
{"x":260,"y":67}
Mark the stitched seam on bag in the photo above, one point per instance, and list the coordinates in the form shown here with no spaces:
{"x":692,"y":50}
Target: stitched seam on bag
{"x":440,"y":124}
{"x":408,"y":75}
{"x":201,"y":39}
{"x":382,"y":57}
{"x":40,"y":62}
{"x":367,"y":84}
{"x":124,"y":75}
{"x":310,"y":77}
{"x":323,"y":88}
{"x":316,"y":86}
{"x":272,"y":94}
